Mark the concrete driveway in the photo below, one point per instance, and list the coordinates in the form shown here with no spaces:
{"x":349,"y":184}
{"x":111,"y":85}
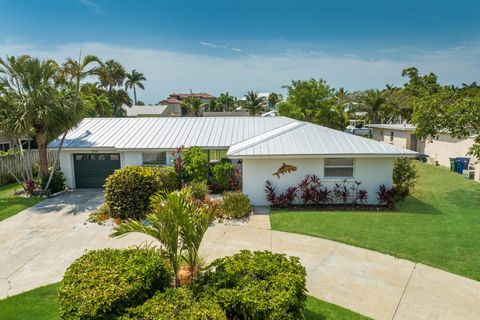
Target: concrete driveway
{"x":38,"y":244}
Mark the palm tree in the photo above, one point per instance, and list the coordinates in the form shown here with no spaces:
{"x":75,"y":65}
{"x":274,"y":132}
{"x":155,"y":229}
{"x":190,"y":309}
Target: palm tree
{"x":134,"y":80}
{"x":111,"y":74}
{"x":226,"y":102}
{"x":254,"y":103}
{"x":193,"y":105}
{"x":75,"y":71}
{"x":179,"y":223}
{"x":371,"y":102}
{"x":40,"y":101}
{"x":97,"y":105}
{"x":273,"y":99}
{"x":118,"y":98}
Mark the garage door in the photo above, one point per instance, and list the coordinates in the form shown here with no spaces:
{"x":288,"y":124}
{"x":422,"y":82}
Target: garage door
{"x":91,"y":170}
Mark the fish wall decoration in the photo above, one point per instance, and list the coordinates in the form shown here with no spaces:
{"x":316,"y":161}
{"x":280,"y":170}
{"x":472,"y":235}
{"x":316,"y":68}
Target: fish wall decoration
{"x":285,"y":168}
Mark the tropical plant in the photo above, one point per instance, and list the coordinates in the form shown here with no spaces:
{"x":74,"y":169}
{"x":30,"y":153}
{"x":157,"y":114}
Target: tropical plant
{"x":179,"y":223}
{"x":97,"y":105}
{"x":235,"y":205}
{"x":133,"y":81}
{"x":254,"y":103}
{"x":387,"y":196}
{"x":193,"y":105}
{"x":111,"y":74}
{"x":404,"y":175}
{"x":195,"y":164}
{"x":118,"y":98}
{"x":225,"y":102}
{"x":273,"y":99}
{"x":223,"y":173}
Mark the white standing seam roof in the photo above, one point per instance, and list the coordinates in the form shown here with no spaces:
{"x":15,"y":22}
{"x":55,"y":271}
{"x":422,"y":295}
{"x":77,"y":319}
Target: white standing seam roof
{"x":243,"y":136}
{"x":303,"y":138}
{"x":166,"y":133}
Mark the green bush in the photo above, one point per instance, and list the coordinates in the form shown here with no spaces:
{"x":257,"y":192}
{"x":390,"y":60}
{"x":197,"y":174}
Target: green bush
{"x":195,"y":164}
{"x":128,"y":190}
{"x":257,"y":285}
{"x":57,"y":184}
{"x":223,"y":173}
{"x":235,"y":205}
{"x":198,"y":189}
{"x":404,"y":175}
{"x":103,"y":283}
{"x":177,"y":304}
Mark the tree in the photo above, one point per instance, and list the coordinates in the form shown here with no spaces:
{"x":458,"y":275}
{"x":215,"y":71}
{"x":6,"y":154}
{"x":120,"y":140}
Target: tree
{"x":253,"y":103}
{"x":111,"y":74}
{"x":97,"y":105}
{"x":74,"y":70}
{"x":419,"y":86}
{"x":118,"y":98}
{"x":225,"y":102}
{"x":372,"y":102}
{"x":39,"y":101}
{"x":313,"y":101}
{"x":273,"y":99}
{"x":134,"y":80}
{"x":192,"y":105}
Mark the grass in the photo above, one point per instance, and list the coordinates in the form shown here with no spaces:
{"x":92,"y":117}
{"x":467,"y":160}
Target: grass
{"x":41,"y":304}
{"x":438,"y":224}
{"x":11,"y":204}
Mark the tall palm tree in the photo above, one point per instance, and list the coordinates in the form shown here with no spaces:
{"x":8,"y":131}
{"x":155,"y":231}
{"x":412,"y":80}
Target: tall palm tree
{"x":371,"y":102}
{"x":253,"y":103}
{"x":226,"y":102}
{"x":40,"y":101}
{"x":111,"y":74}
{"x":134,"y":80}
{"x":193,"y":105}
{"x":75,"y":71}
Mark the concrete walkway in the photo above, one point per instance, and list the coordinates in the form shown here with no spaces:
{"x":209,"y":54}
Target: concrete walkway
{"x":38,"y":244}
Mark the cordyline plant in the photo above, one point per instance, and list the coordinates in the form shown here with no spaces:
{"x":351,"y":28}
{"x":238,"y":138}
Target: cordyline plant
{"x":179,"y":223}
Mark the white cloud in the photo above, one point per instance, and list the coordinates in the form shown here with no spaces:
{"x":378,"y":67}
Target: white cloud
{"x":169,"y":71}
{"x":92,"y":5}
{"x":219,"y":46}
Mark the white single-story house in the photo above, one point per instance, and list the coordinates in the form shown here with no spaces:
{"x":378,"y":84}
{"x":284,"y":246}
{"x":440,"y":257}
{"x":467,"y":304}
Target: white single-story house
{"x":439,"y":148}
{"x":98,"y":146}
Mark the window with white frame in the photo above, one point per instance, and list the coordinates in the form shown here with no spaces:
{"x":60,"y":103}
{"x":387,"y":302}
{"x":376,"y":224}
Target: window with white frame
{"x":216,"y":155}
{"x":157,"y":158}
{"x":339,"y":168}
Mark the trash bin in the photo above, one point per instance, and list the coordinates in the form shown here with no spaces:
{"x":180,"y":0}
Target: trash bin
{"x":465,"y":162}
{"x":422,"y":157}
{"x":453,"y":164}
{"x":459,"y":165}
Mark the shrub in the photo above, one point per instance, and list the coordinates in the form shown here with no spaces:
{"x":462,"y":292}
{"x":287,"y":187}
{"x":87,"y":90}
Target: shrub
{"x":103,"y":283}
{"x":270,"y":192}
{"x":235,"y":205}
{"x":286,"y":199}
{"x":404,"y":175}
{"x":223,"y":174}
{"x":323,"y":196}
{"x":342,"y":192}
{"x":128,"y":190}
{"x":198,"y":189}
{"x":195,"y":164}
{"x":100,"y":215}
{"x":257,"y":285}
{"x":387,"y":196}
{"x":57,"y":184}
{"x":308,"y":188}
{"x":177,"y":304}
{"x":362,"y":196}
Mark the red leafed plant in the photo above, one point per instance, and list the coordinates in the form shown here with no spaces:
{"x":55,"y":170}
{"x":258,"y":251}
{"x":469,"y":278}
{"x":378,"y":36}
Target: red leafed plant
{"x":362,"y":196}
{"x":386,"y":196}
{"x":308,"y":188}
{"x":270,"y":193}
{"x":285,"y":199}
{"x":342,"y":192}
{"x":323,"y":196}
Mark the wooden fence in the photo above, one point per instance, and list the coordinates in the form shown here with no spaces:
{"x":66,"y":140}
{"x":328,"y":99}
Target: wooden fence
{"x":13,"y":163}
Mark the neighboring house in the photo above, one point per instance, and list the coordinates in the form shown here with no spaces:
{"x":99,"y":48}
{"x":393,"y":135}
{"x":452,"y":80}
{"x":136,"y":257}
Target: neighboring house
{"x":6,"y":143}
{"x":439,"y":149}
{"x":174,"y":101}
{"x":96,"y":147}
{"x":146,"y":111}
{"x":226,"y":114}
{"x":173,"y":106}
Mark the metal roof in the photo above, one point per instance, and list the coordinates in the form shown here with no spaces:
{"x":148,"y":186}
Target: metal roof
{"x":167,"y":133}
{"x":135,"y":111}
{"x":303,"y":138}
{"x":402,"y":127}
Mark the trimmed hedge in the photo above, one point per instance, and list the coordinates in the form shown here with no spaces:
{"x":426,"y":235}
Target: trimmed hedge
{"x":177,"y":304}
{"x":257,"y":285}
{"x":235,"y":205}
{"x":128,"y":190}
{"x":103,"y":283}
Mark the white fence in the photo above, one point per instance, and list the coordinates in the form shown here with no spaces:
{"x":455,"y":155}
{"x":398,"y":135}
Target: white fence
{"x":13,"y":163}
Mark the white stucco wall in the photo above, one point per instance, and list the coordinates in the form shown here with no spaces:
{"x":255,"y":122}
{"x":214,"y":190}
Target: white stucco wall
{"x":372,"y":172}
{"x":401,"y":138}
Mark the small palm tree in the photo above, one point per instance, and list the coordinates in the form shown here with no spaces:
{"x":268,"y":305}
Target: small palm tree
{"x":193,"y":105}
{"x":253,"y":103}
{"x":134,"y":80}
{"x":179,"y":223}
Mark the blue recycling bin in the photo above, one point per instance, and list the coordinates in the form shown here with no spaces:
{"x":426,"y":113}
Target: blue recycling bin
{"x":459,"y":165}
{"x":465,"y":161}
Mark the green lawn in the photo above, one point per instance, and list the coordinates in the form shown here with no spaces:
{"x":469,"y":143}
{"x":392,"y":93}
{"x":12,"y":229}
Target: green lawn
{"x":438,"y":225}
{"x":11,"y":204}
{"x":41,"y":304}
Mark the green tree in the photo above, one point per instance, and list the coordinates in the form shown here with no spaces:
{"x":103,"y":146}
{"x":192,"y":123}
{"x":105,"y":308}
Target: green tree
{"x":225,"y":102}
{"x":195,"y":164}
{"x":419,"y":86}
{"x":254,"y":103}
{"x":193,"y":105}
{"x":313,"y":101}
{"x":273,"y":99}
{"x":97,"y":105}
{"x":118,"y":98}
{"x":111,"y":74}
{"x":134,"y":80}
{"x":372,"y":102}
{"x":39,"y":101}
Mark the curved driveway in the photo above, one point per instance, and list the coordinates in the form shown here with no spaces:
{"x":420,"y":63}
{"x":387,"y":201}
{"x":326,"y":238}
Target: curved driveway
{"x":38,"y":244}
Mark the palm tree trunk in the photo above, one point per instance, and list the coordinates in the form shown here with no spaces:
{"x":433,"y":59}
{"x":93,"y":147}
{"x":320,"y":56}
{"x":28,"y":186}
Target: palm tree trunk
{"x":134,"y":95}
{"x":41,"y":139}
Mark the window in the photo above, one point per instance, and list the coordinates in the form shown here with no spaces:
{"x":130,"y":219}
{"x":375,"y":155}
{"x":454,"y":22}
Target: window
{"x":5,"y":146}
{"x":391,"y":136}
{"x":338,"y":168}
{"x":216,"y":155}
{"x":155,"y":158}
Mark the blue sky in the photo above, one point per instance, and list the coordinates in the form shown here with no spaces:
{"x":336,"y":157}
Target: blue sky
{"x":236,"y":46}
